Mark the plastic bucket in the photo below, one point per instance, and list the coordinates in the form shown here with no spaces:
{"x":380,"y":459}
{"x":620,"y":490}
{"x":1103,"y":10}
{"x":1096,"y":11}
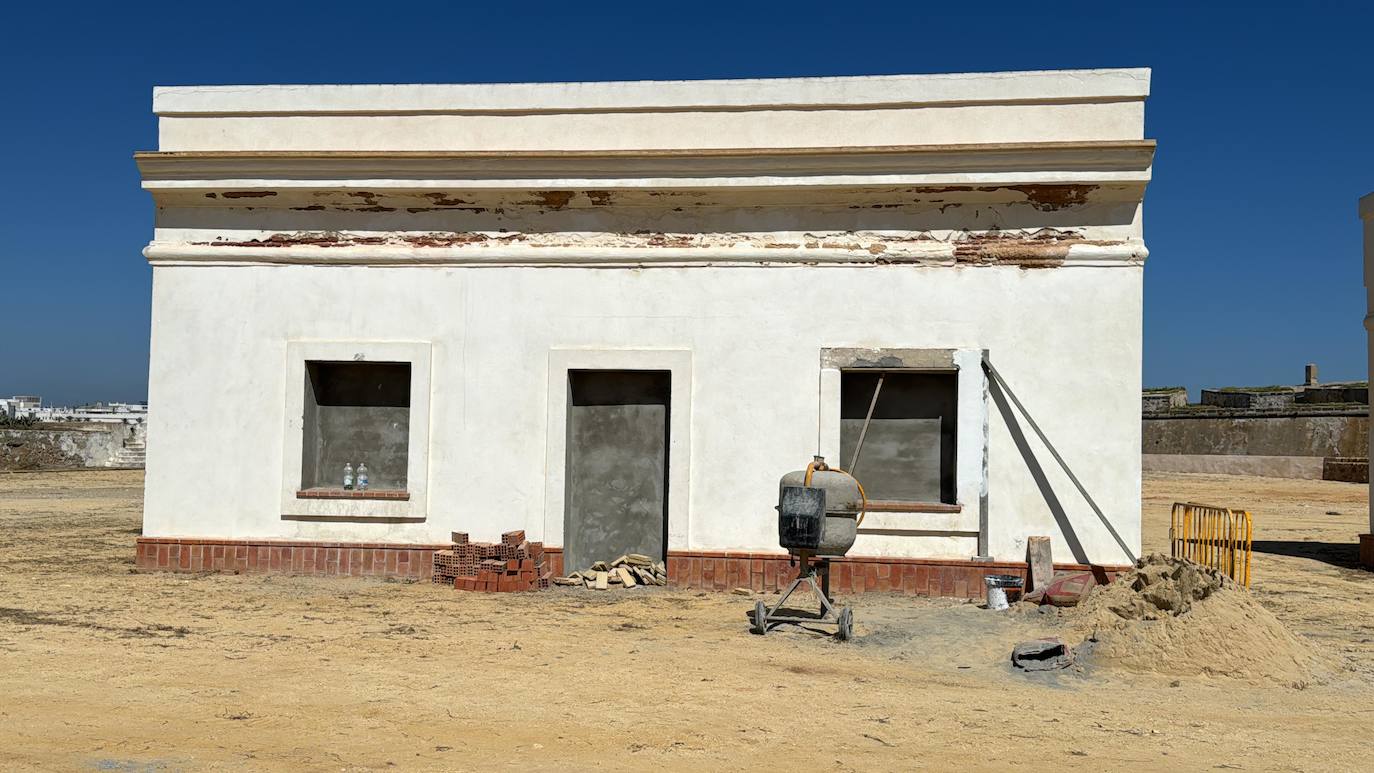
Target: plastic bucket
{"x":997,"y":585}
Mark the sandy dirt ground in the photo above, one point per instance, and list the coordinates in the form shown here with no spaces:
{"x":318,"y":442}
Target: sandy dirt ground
{"x":108,"y":669}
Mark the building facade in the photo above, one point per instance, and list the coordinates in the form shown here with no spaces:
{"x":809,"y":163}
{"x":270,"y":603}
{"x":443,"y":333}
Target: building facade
{"x":603,"y":312}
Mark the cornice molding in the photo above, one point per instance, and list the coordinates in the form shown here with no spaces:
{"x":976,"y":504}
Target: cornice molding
{"x":1124,"y":163}
{"x":1026,"y":256}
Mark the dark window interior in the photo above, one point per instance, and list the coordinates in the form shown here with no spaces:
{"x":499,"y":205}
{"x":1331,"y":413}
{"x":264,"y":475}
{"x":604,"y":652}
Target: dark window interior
{"x":356,"y":413}
{"x":909,"y":451}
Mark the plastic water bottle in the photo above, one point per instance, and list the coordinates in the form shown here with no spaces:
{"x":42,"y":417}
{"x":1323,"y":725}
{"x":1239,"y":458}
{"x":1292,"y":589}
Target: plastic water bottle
{"x":348,"y":477}
{"x":362,"y":476}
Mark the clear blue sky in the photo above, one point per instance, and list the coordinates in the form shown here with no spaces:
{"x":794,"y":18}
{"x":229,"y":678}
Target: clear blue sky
{"x":1264,"y":117}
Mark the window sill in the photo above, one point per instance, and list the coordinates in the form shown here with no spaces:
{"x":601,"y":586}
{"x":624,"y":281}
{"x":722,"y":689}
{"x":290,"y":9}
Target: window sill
{"x":338,"y":493}
{"x":880,"y":506}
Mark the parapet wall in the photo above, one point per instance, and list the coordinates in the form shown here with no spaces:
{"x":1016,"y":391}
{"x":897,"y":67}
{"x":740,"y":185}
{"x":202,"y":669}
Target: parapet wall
{"x":92,"y":445}
{"x":1283,"y":435}
{"x":1253,"y":400}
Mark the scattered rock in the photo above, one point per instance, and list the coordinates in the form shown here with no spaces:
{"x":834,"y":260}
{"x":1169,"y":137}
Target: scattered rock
{"x":1041,"y":655}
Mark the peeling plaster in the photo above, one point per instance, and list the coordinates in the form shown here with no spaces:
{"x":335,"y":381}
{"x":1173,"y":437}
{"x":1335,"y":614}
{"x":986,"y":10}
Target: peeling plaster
{"x":1044,"y":248}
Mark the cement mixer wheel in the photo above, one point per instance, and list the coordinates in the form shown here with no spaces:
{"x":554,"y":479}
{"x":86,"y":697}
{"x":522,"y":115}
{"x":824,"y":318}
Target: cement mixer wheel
{"x":760,"y":626}
{"x":844,"y":631}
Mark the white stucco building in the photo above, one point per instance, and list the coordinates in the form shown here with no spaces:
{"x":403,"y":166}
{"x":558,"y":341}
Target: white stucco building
{"x":525,"y":306}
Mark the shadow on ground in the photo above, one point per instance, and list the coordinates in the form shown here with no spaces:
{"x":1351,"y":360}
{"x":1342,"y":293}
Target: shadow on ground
{"x":1343,"y":554}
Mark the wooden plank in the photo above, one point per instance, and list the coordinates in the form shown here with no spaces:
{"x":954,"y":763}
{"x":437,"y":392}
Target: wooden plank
{"x":875,"y":506}
{"x":1041,"y":562}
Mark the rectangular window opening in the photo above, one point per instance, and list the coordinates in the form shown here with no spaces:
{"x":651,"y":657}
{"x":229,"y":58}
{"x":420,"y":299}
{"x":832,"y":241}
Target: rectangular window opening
{"x":356,"y":413}
{"x":908,"y":453}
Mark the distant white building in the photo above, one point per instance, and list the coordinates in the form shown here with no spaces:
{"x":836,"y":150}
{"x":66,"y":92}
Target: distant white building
{"x":26,"y":405}
{"x":613,"y":314}
{"x":127,"y":413}
{"x":31,"y":406}
{"x":21,"y":406}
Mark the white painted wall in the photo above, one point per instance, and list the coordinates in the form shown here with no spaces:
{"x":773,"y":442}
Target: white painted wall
{"x":603,"y":223}
{"x":1067,"y":339}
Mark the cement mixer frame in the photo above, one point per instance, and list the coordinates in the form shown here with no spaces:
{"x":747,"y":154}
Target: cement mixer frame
{"x":812,"y":568}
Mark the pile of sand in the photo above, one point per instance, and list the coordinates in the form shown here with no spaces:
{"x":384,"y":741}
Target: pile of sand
{"x":1174,"y":617}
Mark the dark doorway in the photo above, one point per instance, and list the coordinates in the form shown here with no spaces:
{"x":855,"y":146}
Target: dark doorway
{"x":617,"y":465}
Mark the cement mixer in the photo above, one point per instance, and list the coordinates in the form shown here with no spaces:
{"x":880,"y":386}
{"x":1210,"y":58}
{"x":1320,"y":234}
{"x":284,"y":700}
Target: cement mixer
{"x":819,"y":511}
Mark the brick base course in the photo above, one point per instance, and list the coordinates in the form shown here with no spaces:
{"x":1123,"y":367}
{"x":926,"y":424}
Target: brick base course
{"x":333,"y":559}
{"x":769,"y":572}
{"x":694,"y":570}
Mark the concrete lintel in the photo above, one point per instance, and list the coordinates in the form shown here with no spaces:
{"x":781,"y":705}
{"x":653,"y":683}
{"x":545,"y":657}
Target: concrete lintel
{"x":895,"y":359}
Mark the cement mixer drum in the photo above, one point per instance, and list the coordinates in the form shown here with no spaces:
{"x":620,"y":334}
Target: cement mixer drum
{"x":819,"y":516}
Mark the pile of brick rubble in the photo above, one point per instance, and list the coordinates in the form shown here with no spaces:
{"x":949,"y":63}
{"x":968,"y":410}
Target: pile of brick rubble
{"x":625,"y":572}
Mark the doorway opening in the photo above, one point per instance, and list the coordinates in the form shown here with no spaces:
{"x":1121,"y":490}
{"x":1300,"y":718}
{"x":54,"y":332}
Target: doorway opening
{"x":616,"y":498}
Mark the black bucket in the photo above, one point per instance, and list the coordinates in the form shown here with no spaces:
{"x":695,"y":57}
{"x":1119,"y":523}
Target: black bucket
{"x":801,"y":517}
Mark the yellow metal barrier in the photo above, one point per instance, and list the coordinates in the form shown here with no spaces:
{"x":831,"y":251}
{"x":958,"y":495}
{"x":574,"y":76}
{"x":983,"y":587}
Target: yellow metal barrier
{"x":1218,"y":537}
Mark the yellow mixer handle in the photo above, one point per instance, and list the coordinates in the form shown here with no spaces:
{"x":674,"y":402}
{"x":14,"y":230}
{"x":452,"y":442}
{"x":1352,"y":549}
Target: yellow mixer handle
{"x":863,"y":509}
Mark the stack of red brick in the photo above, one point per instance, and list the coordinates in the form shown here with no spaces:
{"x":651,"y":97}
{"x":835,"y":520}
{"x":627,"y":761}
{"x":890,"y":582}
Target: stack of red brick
{"x":513,"y":564}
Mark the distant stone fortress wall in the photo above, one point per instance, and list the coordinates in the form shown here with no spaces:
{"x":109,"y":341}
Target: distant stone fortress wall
{"x":70,"y":446}
{"x":1312,"y":431}
{"x":1317,"y":433}
{"x":1325,"y":398}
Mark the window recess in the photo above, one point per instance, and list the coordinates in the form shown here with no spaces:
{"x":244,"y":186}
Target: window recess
{"x":907,"y":421}
{"x":356,"y":415}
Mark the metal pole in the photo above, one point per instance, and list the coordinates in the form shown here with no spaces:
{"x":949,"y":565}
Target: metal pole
{"x":854,"y":462}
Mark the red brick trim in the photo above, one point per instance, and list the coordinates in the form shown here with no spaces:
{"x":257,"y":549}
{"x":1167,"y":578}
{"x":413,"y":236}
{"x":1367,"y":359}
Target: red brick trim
{"x":334,"y":559}
{"x":725,"y":570}
{"x":1366,"y":551}
{"x":338,"y":493}
{"x":688,"y":569}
